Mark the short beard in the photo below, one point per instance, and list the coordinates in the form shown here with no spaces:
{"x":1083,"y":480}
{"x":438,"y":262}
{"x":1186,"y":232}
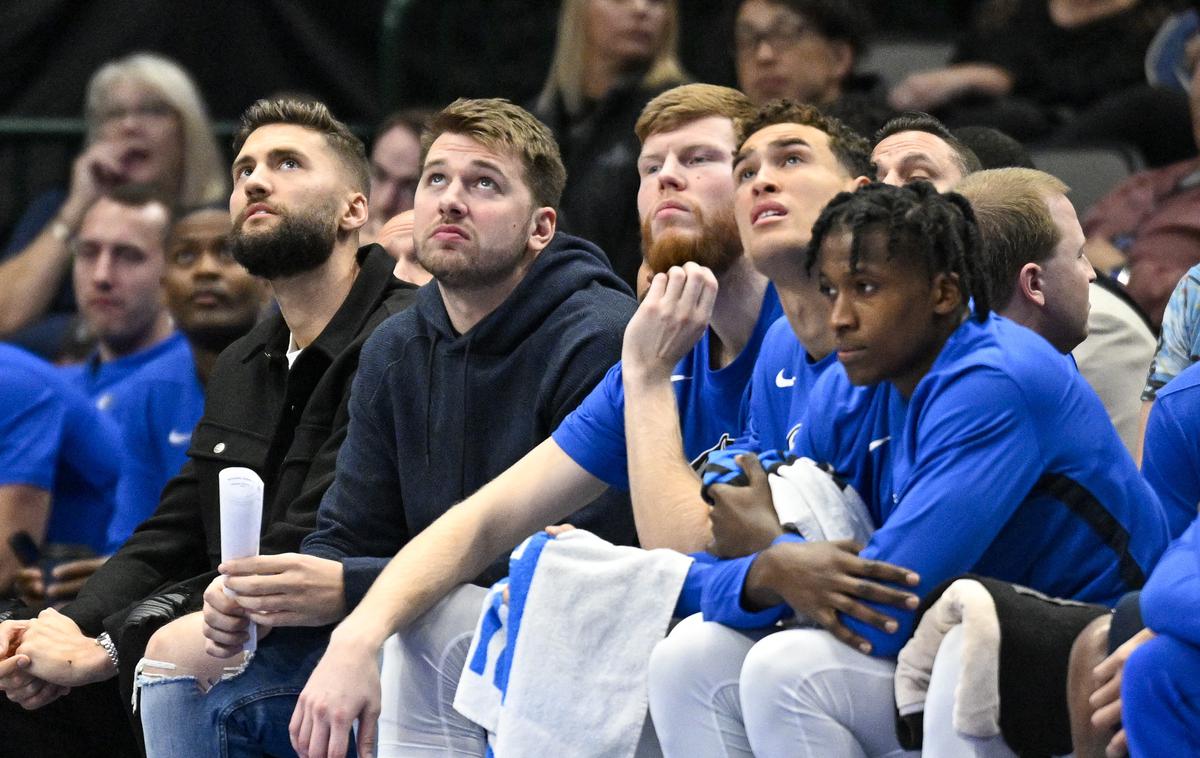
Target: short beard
{"x":716,"y":246}
{"x":300,"y":242}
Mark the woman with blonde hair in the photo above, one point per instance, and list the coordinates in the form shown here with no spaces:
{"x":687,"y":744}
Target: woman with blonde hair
{"x":146,"y":125}
{"x":611,"y":57}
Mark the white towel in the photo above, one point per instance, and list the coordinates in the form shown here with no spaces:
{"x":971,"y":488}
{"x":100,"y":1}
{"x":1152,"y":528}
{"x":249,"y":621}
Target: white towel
{"x":568,"y":668}
{"x":820,"y":507}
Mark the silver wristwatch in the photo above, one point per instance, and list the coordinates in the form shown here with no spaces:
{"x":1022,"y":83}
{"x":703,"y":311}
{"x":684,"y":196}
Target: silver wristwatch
{"x":105,"y":641}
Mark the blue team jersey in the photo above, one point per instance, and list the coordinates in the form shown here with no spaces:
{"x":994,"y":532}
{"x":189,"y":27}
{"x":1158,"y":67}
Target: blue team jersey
{"x":53,"y":439}
{"x":1171,"y":458}
{"x":1003,"y":463}
{"x":709,"y":402}
{"x":155,"y":398}
{"x":777,"y":396}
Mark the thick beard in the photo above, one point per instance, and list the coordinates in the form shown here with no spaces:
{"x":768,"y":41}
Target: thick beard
{"x":716,"y":246}
{"x":300,"y":242}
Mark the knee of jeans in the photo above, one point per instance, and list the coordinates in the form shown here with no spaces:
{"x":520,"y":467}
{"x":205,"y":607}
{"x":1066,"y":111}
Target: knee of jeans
{"x":785,"y":662}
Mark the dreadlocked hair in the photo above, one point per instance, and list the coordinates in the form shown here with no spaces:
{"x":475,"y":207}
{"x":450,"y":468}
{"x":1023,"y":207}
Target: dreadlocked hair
{"x":938,"y":230}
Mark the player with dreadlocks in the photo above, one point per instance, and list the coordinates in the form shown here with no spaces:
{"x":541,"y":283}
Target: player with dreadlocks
{"x":976,"y":446}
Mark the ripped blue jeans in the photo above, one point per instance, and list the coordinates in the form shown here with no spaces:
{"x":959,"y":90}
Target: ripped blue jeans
{"x":245,"y":714}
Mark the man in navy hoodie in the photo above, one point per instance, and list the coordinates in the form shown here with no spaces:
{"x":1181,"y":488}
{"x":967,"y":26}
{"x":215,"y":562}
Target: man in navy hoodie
{"x":518,"y":326}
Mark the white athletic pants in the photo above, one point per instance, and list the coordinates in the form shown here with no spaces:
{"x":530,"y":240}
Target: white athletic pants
{"x":419,"y":675}
{"x":941,"y":740}
{"x":799,"y":692}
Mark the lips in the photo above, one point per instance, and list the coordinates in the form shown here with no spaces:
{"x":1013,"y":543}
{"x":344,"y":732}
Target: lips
{"x":208,"y":298}
{"x":670,"y":207}
{"x":766,"y":211}
{"x":449,"y":232}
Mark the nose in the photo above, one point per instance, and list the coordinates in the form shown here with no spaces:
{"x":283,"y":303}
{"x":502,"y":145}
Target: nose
{"x":670,"y":175}
{"x":450,"y":200}
{"x":764,"y":182}
{"x":102,"y":269}
{"x":208,"y":264}
{"x":841,"y":315}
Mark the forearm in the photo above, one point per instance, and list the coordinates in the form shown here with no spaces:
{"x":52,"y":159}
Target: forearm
{"x":543,"y":487}
{"x":983,"y":78}
{"x":32,"y":277}
{"x":667,"y":508}
{"x":23,"y":508}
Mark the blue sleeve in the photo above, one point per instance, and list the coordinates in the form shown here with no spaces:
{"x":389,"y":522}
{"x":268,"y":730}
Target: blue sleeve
{"x":32,"y":419}
{"x":360,"y":521}
{"x":148,"y":424}
{"x":721,"y":593}
{"x":1171,"y":598}
{"x":33,"y":220}
{"x":971,"y":471}
{"x":593,"y":435}
{"x":1170,"y":465}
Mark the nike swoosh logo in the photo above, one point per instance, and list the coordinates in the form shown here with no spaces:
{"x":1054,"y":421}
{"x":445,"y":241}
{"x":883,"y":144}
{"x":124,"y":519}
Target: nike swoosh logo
{"x":178,"y":438}
{"x":876,"y":443}
{"x":783,"y":382}
{"x":679,"y":377}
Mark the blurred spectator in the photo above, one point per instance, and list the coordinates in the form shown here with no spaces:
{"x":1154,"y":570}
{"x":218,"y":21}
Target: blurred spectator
{"x":142,"y":373}
{"x":1179,"y":340}
{"x":213,"y":299}
{"x":916,"y":146}
{"x":395,"y":169}
{"x":1149,"y":225}
{"x":58,"y":474}
{"x":806,"y":50}
{"x":611,"y":57}
{"x":1070,"y":69}
{"x":994,"y":148}
{"x":147,"y":125}
{"x":396,"y":236}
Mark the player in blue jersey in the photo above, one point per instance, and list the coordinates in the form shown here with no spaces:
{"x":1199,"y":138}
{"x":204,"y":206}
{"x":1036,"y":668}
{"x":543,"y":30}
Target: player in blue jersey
{"x":58,"y":477}
{"x":1171,"y":465}
{"x":1160,"y":686}
{"x":688,"y":354}
{"x":976,"y":446}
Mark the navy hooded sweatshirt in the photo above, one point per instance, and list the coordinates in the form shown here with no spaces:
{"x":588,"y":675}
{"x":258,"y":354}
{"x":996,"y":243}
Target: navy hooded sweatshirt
{"x":435,"y":415}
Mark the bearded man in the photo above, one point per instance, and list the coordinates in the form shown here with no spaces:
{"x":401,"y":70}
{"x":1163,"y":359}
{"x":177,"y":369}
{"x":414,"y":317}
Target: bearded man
{"x":277,"y":404}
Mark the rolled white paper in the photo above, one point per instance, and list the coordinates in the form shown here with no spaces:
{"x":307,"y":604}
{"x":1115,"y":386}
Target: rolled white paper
{"x":241,"y":492}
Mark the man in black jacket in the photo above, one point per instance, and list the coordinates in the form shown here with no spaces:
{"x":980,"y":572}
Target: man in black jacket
{"x":277,"y":403}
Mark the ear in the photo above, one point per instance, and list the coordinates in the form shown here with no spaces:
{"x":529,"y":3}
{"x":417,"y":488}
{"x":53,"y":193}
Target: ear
{"x":1030,"y":286}
{"x":541,"y":228}
{"x":355,"y":213}
{"x":842,"y":56}
{"x":945,"y":293}
{"x":858,"y":183}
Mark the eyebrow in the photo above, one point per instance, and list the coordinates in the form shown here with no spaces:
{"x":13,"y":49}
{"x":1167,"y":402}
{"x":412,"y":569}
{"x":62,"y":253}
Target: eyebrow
{"x":272,"y":155}
{"x":772,"y":146}
{"x":475,"y":163}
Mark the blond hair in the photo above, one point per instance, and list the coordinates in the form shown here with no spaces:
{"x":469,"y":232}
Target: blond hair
{"x":203,"y":178}
{"x":1014,"y":221}
{"x":505,"y":128}
{"x":691,"y":102}
{"x":565,"y":79}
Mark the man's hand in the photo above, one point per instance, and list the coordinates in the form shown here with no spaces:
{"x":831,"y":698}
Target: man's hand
{"x":819,"y":579}
{"x":670,"y":320}
{"x":1106,"y":699}
{"x":289,"y":589}
{"x":96,"y":170}
{"x":226,"y":627}
{"x":61,"y":654}
{"x":343,"y":687}
{"x":67,"y":579}
{"x":21,"y":687}
{"x":744,"y":520}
